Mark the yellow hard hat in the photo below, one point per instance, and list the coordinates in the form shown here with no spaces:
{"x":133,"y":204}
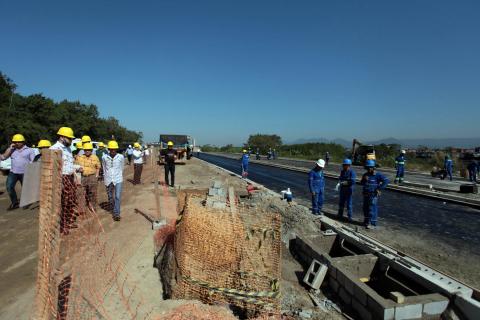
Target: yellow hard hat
{"x":44,"y":144}
{"x":244,"y":151}
{"x":87,"y":146}
{"x":18,"y":138}
{"x":170,"y":143}
{"x":79,"y":145}
{"x":136,"y":145}
{"x":86,"y":139}
{"x":112,"y":145}
{"x":66,"y":132}
{"x":101,"y":145}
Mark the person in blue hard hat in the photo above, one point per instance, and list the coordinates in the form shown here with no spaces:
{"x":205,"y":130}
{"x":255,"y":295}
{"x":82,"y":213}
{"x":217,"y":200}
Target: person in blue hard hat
{"x":245,"y":160}
{"x":448,"y":165}
{"x":400,"y":166}
{"x":346,"y":181}
{"x":373,"y":182}
{"x":316,"y":184}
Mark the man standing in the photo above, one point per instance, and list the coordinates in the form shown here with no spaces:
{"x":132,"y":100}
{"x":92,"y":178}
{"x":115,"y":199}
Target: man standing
{"x":245,"y":159}
{"x":137,"y":155}
{"x":21,"y":156}
{"x":91,"y":169}
{"x":373,"y":182}
{"x":69,"y":203}
{"x":42,"y":145}
{"x":327,"y":158}
{"x":400,"y":166}
{"x":129,"y":154}
{"x":316,"y":184}
{"x":346,"y":181}
{"x":169,"y":157}
{"x":113,"y":163}
{"x":472,"y":171}
{"x":448,"y":165}
{"x":257,"y":154}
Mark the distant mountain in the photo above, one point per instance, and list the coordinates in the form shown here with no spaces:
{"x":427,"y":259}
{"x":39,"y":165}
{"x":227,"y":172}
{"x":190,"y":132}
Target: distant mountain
{"x":405,"y":143}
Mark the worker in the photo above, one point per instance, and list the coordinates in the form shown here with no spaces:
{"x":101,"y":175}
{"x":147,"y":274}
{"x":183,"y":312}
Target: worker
{"x":257,"y":154}
{"x":169,"y":156}
{"x":327,"y":158}
{"x":91,"y":170}
{"x":269,"y":154}
{"x":42,"y":145}
{"x":316,"y":184}
{"x":21,"y":155}
{"x":346,"y":181}
{"x":68,"y":198}
{"x":78,"y":149}
{"x":448,"y":166}
{"x":99,"y":153}
{"x":472,"y":171}
{"x":113,"y":163}
{"x":129,"y":154}
{"x":245,"y":159}
{"x":274,"y":154}
{"x":138,"y":159}
{"x":373,"y":182}
{"x":400,"y":166}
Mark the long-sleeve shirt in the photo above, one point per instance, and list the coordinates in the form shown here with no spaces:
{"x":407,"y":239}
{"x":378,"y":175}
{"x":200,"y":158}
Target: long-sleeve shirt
{"x":316,"y":181}
{"x":349,"y":177}
{"x":138,"y":156}
{"x":113,"y":169}
{"x":448,"y":164}
{"x":373,"y":183}
{"x":400,"y":160}
{"x":20,"y":159}
{"x":67,"y":158}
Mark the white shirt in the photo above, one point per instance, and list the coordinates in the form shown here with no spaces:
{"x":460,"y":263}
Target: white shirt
{"x":113,"y":168}
{"x":67,"y":158}
{"x":137,"y":156}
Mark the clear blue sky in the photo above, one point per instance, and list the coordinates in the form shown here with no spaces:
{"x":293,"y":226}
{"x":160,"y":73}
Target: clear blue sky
{"x":221,"y":70}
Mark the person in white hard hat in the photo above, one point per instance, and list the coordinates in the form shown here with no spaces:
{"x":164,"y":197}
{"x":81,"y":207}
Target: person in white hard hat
{"x":316,"y":183}
{"x":400,"y":166}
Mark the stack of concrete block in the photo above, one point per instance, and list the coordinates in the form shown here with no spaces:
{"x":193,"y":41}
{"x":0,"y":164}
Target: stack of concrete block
{"x":217,"y":196}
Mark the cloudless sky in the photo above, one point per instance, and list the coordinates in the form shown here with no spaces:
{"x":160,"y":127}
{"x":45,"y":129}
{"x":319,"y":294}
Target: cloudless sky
{"x":221,"y":70}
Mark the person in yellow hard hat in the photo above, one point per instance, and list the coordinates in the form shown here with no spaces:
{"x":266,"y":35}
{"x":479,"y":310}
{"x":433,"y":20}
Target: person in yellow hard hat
{"x":113,"y":163}
{"x":91,"y":170}
{"x":69,"y":201}
{"x":42,"y":145}
{"x":169,"y":156}
{"x":137,"y":155}
{"x":245,"y":159}
{"x":21,"y":155}
{"x":86,"y":139}
{"x":78,"y":149}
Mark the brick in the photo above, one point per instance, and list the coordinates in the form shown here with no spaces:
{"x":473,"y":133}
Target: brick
{"x":349,"y":284}
{"x":315,"y":274}
{"x":345,"y":296}
{"x":380,"y":308}
{"x":332,"y":271}
{"x":333,"y":284}
{"x":361,"y":310}
{"x":340,"y":278}
{"x":435,"y":308}
{"x":412,"y":311}
{"x":360,"y":294}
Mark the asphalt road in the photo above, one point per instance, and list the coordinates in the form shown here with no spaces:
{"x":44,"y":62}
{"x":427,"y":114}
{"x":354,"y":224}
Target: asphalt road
{"x":453,"y":224}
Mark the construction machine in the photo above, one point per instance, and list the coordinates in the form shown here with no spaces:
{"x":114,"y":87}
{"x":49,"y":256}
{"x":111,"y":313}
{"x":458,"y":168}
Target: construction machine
{"x":362,"y":152}
{"x":183,"y":144}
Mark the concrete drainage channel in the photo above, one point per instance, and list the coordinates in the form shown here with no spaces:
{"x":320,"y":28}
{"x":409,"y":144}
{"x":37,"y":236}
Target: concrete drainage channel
{"x":375,"y":281}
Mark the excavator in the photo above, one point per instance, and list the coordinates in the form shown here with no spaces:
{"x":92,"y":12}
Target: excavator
{"x":362,"y":152}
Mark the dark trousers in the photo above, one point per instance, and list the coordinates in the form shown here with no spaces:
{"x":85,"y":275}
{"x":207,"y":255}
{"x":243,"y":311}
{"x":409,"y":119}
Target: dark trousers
{"x":69,"y":203}
{"x":12,"y":180}
{"x":137,"y":173}
{"x":129,"y":157}
{"x":89,"y":184}
{"x":170,"y":167}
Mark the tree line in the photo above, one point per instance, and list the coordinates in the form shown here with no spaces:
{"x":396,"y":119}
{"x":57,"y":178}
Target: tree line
{"x":38,"y":117}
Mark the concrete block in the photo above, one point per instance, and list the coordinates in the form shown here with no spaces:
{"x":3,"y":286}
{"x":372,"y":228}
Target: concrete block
{"x":397,"y":297}
{"x":380,"y":308}
{"x":333,"y":284}
{"x":217,"y":184}
{"x":435,"y":307}
{"x":212,"y":192}
{"x":315,"y":274}
{"x":359,"y":294}
{"x":361,"y":310}
{"x":412,"y":311}
{"x":345,"y":296}
{"x":349,"y":284}
{"x":340,"y":278}
{"x":332,"y":271}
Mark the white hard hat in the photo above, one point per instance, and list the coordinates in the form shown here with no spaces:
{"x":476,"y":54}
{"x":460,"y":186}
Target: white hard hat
{"x":320,"y":163}
{"x":129,"y":145}
{"x":403,"y":151}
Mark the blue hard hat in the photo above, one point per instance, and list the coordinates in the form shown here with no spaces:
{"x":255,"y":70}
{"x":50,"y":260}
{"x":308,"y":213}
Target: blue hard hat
{"x":370,"y":163}
{"x":347,"y":161}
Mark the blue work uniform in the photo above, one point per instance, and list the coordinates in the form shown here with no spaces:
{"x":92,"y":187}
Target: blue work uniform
{"x":448,"y":164}
{"x":316,"y":184}
{"x":400,"y":166}
{"x":372,"y":183}
{"x":245,"y":159}
{"x":347,"y":181}
{"x":472,"y":171}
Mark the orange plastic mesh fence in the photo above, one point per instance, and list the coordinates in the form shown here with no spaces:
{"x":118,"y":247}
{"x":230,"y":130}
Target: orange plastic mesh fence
{"x":80,"y":276}
{"x":225,"y":257}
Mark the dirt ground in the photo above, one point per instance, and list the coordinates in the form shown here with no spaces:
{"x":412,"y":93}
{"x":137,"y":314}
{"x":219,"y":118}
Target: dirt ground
{"x":133,"y":239}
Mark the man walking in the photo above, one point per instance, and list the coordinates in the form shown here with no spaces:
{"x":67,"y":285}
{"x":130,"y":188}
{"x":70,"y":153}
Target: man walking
{"x":346,"y":181}
{"x":373,"y":182}
{"x":129,"y":154}
{"x":400,"y":166}
{"x":91,"y":169}
{"x":138,"y":157}
{"x":472,"y":171}
{"x":245,"y":160}
{"x":448,"y":165}
{"x":169,"y":157}
{"x":113,"y":163}
{"x":21,"y":156}
{"x":316,"y":184}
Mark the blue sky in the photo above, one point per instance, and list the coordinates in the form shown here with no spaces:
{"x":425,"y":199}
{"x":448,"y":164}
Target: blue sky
{"x":221,"y":70}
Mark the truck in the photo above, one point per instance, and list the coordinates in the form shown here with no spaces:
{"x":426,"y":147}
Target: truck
{"x":362,"y":152}
{"x":183,"y":144}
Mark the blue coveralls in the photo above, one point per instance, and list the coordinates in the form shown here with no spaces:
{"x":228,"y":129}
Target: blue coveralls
{"x":245,"y":159}
{"x":472,"y":171}
{"x":347,"y":181}
{"x":400,"y":166}
{"x":372,"y":183}
{"x":448,"y":164}
{"x":316,"y":184}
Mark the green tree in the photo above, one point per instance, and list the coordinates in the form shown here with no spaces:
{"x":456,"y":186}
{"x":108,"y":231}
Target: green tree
{"x":263,"y":141}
